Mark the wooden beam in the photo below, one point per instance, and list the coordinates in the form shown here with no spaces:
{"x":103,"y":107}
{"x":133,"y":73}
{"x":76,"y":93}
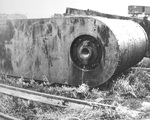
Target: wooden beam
{"x":43,"y":97}
{"x":7,"y":117}
{"x":140,"y":68}
{"x":13,"y":91}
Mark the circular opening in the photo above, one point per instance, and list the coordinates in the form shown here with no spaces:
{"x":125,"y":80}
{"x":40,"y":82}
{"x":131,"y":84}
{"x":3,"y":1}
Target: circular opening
{"x":85,"y":53}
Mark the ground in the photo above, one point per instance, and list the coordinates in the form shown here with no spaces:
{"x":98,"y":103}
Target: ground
{"x":129,"y":93}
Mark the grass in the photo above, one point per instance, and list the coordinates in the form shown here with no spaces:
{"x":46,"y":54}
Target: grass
{"x":129,"y":93}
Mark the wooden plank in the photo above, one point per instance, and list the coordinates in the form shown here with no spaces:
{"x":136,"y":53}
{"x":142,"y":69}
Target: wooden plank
{"x":7,"y":117}
{"x":29,"y":96}
{"x":43,"y":97}
{"x":140,"y":68}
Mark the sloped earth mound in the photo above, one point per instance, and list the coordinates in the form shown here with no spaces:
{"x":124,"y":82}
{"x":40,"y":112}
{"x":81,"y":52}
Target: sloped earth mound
{"x":130,"y":93}
{"x":12,"y":16}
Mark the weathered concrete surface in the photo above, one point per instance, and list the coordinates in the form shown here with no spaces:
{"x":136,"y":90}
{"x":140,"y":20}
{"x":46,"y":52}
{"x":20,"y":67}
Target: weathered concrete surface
{"x":42,"y":47}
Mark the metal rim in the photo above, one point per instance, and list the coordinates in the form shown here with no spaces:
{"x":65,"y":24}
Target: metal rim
{"x":86,"y":52}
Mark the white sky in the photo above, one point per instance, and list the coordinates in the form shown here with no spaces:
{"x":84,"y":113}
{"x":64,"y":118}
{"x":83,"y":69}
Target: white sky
{"x":46,"y":8}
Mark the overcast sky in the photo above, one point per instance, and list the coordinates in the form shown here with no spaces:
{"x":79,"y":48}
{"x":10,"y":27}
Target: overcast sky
{"x":46,"y":8}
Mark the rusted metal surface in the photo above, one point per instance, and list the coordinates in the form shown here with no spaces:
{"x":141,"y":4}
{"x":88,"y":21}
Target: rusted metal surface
{"x":37,"y":48}
{"x":144,"y":22}
{"x":73,"y":12}
{"x":72,"y":49}
{"x":135,"y":9}
{"x":132,"y":42}
{"x":147,"y":10}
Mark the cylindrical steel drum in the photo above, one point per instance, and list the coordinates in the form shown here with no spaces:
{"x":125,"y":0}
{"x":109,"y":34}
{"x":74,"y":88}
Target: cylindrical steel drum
{"x":132,"y":40}
{"x":122,"y":44}
{"x":71,"y":50}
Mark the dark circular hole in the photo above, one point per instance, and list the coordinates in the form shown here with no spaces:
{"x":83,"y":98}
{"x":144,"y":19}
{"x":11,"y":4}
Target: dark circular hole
{"x":85,"y":52}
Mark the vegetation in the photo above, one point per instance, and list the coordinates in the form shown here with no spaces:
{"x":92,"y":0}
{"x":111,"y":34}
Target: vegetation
{"x":130,"y":93}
